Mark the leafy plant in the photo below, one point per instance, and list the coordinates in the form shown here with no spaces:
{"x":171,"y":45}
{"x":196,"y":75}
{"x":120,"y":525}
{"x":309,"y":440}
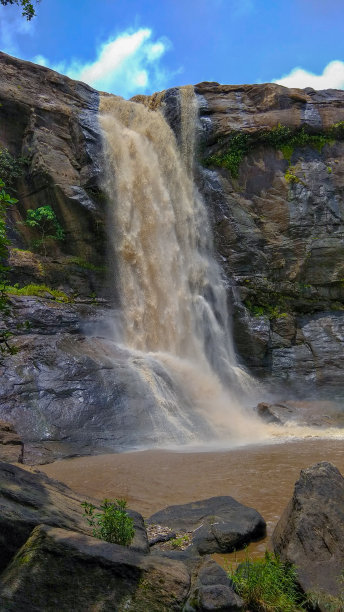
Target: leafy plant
{"x":5,"y":201}
{"x":180,"y":542}
{"x":282,"y":138}
{"x":5,"y":334}
{"x":44,"y":221}
{"x":11,"y":168}
{"x":28,"y":10}
{"x":112,"y":524}
{"x":267,"y":585}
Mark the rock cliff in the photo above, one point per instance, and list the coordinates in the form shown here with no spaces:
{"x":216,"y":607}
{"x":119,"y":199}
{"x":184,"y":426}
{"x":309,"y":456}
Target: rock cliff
{"x":271,"y":170}
{"x":278,"y":222}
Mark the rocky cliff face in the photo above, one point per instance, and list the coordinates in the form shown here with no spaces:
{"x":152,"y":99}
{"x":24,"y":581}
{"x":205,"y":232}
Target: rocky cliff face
{"x":271,"y":170}
{"x":278,"y":219}
{"x":51,"y":121}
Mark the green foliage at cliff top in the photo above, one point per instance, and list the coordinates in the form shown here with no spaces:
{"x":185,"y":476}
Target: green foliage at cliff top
{"x":281,"y":138}
{"x":28,"y":10}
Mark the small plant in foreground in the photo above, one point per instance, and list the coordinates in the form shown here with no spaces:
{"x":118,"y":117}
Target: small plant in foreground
{"x":181,"y":542}
{"x":267,"y":585}
{"x":112,"y":524}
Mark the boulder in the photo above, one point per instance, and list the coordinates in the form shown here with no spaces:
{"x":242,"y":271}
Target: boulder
{"x":11,"y":446}
{"x":310,"y":532}
{"x":314,"y":413}
{"x":29,"y":498}
{"x":212,"y":590}
{"x":64,"y":570}
{"x":218,"y":524}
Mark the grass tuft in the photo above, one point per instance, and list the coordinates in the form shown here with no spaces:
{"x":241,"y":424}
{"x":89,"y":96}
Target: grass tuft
{"x":267,"y":585}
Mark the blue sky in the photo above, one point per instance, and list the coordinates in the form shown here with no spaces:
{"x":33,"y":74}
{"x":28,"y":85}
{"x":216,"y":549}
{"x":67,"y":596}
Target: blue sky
{"x":141,"y":46}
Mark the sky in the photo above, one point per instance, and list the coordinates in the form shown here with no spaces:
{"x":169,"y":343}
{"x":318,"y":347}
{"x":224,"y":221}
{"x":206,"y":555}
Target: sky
{"x":141,"y":46}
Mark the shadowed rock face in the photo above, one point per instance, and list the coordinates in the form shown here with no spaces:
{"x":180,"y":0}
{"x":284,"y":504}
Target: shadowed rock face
{"x":310,"y":532}
{"x":52,"y":121}
{"x":29,"y":497}
{"x":64,"y":570}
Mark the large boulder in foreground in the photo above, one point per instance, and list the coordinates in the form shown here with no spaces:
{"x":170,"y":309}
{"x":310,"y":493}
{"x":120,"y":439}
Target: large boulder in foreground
{"x":64,"y":570}
{"x":310,"y":532}
{"x":218,"y":524}
{"x":29,"y":498}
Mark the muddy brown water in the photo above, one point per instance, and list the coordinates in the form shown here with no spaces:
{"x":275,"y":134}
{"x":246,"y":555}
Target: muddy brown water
{"x":262,"y":477}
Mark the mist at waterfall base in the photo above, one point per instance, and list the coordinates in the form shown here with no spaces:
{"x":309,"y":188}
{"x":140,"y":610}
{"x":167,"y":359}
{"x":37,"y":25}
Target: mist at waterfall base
{"x":172,"y":322}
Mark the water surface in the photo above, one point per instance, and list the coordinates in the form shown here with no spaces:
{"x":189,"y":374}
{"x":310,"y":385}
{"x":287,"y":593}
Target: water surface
{"x":262,"y":477}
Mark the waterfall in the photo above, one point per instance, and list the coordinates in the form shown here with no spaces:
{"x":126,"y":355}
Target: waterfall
{"x":172,"y":299}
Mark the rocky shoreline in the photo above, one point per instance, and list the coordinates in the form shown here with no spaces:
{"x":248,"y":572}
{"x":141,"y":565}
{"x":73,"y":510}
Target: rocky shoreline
{"x":51,"y":561}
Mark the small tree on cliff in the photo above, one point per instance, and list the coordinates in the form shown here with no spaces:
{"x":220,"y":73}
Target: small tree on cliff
{"x":44,"y":221}
{"x":28,"y":10}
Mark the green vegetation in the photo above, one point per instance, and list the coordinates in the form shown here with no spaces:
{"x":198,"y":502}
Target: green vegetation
{"x":266,"y":310}
{"x":81,"y":263}
{"x":112,"y":524}
{"x":5,"y":202}
{"x":267,"y":585}
{"x":28,"y":10}
{"x":11,"y":168}
{"x":282,"y":138}
{"x":44,"y":221}
{"x":330,"y":603}
{"x":291,"y":177}
{"x":38,"y":290}
{"x":181,"y":542}
{"x":5,"y":334}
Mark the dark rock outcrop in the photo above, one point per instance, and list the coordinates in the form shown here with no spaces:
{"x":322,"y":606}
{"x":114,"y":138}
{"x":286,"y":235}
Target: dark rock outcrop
{"x":315,"y":413}
{"x":63,"y":570}
{"x":29,"y":498}
{"x":310,"y":532}
{"x":11,"y":445}
{"x":52,"y":121}
{"x":212,"y":590}
{"x":218,"y":524}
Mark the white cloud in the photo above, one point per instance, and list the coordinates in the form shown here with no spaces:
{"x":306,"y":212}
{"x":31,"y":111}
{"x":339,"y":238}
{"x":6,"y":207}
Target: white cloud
{"x":125,"y":65}
{"x":331,"y":78}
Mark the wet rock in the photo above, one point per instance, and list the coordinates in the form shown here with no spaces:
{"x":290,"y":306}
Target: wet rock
{"x":11,"y":446}
{"x":314,"y":413}
{"x":71,"y":389}
{"x":64,"y":570}
{"x":218,"y":524}
{"x":310,"y":532}
{"x":29,"y":497}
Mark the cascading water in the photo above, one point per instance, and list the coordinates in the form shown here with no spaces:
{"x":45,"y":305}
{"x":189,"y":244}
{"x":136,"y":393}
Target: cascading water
{"x":173,"y":302}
